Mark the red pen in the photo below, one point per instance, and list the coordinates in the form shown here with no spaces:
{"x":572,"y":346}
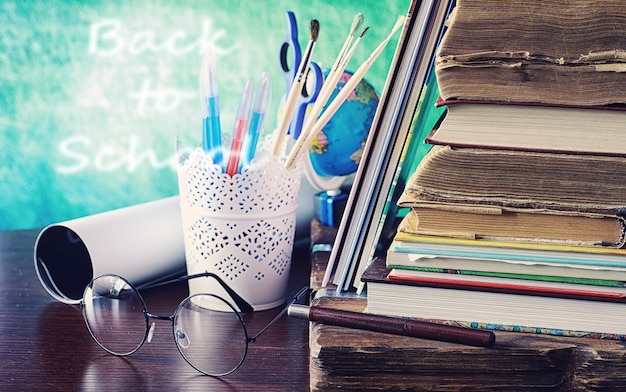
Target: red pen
{"x":239,"y":130}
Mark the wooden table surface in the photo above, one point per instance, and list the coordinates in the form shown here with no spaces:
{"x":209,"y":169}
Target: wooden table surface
{"x":45,"y":345}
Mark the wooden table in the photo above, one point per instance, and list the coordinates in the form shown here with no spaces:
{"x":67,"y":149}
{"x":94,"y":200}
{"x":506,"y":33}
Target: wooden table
{"x":45,"y":345}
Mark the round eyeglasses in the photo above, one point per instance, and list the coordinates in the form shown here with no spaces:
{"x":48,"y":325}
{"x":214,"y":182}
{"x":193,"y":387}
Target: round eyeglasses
{"x":214,"y":342}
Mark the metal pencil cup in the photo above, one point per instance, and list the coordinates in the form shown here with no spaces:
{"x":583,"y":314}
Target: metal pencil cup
{"x":241,"y":227}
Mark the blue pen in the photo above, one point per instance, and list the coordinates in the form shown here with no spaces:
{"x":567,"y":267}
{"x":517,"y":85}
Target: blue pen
{"x":211,"y":128}
{"x":264,"y":96}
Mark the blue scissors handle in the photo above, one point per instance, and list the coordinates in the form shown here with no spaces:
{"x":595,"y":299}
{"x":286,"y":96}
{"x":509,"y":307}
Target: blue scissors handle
{"x":290,"y":44}
{"x":309,"y":94}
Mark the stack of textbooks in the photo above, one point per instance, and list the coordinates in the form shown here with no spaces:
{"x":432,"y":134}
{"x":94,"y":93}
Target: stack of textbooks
{"x":516,"y":214}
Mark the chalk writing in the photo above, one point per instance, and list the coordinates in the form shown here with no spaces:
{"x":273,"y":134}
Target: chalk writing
{"x":162,"y":100}
{"x":130,"y":155}
{"x":110,"y":37}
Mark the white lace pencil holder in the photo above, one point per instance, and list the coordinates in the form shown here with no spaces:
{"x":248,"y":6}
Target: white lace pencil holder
{"x":240,"y":228}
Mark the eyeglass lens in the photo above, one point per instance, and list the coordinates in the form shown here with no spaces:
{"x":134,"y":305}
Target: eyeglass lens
{"x":114,"y":314}
{"x":214,"y":342}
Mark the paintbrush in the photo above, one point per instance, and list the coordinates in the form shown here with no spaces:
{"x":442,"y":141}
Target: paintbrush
{"x":296,"y":89}
{"x":305,"y":139}
{"x":393,"y":325}
{"x":334,"y":74}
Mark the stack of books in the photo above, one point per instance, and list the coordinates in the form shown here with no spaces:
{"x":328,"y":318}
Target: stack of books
{"x":516,"y":214}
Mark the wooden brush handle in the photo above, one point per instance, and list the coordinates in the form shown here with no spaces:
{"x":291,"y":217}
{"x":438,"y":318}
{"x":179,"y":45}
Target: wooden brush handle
{"x":402,"y":326}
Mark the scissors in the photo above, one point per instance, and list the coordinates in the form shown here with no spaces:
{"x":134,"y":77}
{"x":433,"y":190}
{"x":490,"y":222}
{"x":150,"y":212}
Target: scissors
{"x":314,"y":78}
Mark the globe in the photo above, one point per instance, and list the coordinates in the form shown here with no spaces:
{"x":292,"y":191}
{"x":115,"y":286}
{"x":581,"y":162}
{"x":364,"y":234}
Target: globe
{"x":337,"y":149}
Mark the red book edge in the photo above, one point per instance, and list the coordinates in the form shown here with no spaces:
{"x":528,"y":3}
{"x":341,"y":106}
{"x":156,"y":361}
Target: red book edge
{"x":505,"y":286}
{"x":378,"y":272}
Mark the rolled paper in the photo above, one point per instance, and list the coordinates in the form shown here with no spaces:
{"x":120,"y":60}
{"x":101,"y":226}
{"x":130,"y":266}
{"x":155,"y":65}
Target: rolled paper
{"x":141,"y":243}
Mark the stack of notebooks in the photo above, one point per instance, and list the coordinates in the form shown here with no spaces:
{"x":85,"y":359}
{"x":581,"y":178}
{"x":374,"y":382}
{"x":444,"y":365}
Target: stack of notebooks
{"x":516,"y":215}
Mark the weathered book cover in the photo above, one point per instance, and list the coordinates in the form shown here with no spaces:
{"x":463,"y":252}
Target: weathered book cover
{"x":564,"y":51}
{"x":526,"y":225}
{"x":520,"y":179}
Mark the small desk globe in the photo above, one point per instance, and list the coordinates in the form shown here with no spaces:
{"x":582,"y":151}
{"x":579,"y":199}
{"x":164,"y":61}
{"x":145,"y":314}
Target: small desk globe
{"x":337,"y":150}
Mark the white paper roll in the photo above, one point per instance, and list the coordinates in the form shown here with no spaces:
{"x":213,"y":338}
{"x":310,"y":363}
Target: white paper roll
{"x":141,"y":243}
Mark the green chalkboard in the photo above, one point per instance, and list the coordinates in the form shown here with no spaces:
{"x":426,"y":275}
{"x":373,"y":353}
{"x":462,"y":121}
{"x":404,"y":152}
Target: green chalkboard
{"x":94,"y":93}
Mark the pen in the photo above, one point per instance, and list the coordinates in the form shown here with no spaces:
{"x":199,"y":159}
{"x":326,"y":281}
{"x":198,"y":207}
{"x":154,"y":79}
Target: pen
{"x":394,"y":325}
{"x":239,"y":130}
{"x":262,"y":99}
{"x":211,"y":128}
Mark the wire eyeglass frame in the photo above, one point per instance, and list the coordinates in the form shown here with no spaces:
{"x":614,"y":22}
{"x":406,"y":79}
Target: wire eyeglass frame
{"x":242,"y":304}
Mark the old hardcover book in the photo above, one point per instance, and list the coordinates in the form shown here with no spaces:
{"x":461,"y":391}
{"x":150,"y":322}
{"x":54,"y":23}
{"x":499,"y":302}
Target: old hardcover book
{"x":512,"y":282}
{"x":520,"y":179}
{"x":509,"y":307}
{"x":525,"y":276}
{"x":415,"y":251}
{"x":513,"y":224}
{"x":562,"y":51}
{"x":595,"y":130}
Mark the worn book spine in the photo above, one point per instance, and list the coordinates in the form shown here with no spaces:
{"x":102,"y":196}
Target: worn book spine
{"x":519,"y":276}
{"x":530,"y":286}
{"x":377,"y":279}
{"x":520,"y":179}
{"x":484,"y":222}
{"x":531,"y":48}
{"x":534,"y":127}
{"x":415,"y":242}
